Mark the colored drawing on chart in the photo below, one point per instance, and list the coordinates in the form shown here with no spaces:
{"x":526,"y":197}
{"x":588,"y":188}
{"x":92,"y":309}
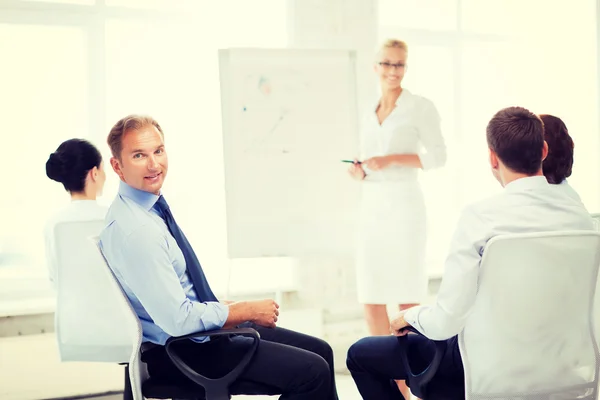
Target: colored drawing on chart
{"x":271,"y":103}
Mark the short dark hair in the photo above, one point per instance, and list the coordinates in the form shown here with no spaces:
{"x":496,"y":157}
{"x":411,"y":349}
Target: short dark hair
{"x":559,"y":162}
{"x":516,"y":135}
{"x":130,"y":122}
{"x":71,"y":162}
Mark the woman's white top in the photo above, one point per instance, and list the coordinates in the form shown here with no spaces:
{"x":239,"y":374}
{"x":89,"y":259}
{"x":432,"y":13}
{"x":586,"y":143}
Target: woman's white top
{"x":392,"y":228}
{"x":77,"y":210}
{"x":413,"y":127}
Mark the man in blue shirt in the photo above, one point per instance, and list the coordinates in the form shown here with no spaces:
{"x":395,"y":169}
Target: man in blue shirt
{"x":166,"y":286}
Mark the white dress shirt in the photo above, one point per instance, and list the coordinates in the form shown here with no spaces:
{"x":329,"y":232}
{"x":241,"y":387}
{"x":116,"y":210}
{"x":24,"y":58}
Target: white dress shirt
{"x":525,"y":205}
{"x":77,"y":210}
{"x":564,"y":185}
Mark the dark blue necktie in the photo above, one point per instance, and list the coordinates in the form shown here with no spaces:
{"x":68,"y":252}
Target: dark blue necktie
{"x":192,"y":264}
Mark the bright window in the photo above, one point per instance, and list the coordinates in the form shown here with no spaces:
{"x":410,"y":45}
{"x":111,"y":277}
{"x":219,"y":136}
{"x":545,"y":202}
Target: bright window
{"x":44,"y":95}
{"x":74,"y":71}
{"x":480,"y":56}
{"x":419,"y":14}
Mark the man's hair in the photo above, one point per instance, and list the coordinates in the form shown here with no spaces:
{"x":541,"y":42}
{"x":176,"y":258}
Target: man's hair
{"x":130,"y":122}
{"x":516,"y":135}
{"x":559,"y":162}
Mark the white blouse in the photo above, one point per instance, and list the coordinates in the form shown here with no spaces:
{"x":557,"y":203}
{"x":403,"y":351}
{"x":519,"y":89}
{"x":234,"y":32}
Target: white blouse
{"x":413,"y":127}
{"x":77,"y":210}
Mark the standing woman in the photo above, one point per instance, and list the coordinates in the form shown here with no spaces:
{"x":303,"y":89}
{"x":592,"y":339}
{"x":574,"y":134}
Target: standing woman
{"x":400,"y":134}
{"x":77,"y":164}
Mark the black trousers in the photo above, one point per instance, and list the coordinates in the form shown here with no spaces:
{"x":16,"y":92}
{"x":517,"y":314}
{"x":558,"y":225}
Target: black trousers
{"x":374,"y":363}
{"x":289,"y":363}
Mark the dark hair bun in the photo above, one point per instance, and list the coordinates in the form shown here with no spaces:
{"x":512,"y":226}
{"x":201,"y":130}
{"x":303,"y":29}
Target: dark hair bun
{"x":71,"y":162}
{"x":59,"y":164}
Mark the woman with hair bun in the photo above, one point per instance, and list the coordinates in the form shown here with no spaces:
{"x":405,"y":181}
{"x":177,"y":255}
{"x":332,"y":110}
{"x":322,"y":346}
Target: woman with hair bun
{"x":77,"y":164}
{"x":558,"y":164}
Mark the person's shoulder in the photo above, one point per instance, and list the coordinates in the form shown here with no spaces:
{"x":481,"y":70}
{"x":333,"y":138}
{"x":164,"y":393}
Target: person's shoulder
{"x":564,"y":194}
{"x":65,"y":213}
{"x":97,"y":211}
{"x":486,"y":204}
{"x":571,"y":200}
{"x":127,"y":219}
{"x":538,"y":196}
{"x":574,"y":212}
{"x":568,"y":190}
{"x":545,"y":201}
{"x":418,"y":99}
{"x":423,"y":105}
{"x":488,"y":211}
{"x":87,"y":210}
{"x":474,"y":216}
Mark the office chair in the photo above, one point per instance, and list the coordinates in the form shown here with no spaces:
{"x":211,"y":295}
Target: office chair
{"x":96,"y":323}
{"x":530,"y":334}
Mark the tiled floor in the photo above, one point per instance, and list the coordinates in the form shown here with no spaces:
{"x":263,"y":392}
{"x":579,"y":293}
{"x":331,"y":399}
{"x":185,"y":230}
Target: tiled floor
{"x":345,"y":385}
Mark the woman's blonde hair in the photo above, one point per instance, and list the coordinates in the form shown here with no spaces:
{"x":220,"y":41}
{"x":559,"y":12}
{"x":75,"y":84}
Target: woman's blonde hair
{"x":394,"y":43}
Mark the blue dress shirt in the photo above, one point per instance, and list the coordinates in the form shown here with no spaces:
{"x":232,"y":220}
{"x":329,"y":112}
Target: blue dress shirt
{"x":151,"y":270}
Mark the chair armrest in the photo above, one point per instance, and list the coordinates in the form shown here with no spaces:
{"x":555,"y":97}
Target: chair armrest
{"x":216,"y":332}
{"x":418,"y":382}
{"x":209,"y":383}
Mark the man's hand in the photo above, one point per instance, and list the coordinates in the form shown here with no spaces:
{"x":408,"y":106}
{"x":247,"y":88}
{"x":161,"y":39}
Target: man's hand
{"x":378,"y":163}
{"x":264,"y":312}
{"x":398,"y":324}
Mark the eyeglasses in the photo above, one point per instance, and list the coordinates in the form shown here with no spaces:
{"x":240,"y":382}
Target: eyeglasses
{"x":388,"y":65}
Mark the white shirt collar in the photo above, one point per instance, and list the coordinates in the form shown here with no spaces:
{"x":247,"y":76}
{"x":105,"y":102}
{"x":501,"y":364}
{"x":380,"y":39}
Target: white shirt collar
{"x":527,"y":183}
{"x":405,"y":94}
